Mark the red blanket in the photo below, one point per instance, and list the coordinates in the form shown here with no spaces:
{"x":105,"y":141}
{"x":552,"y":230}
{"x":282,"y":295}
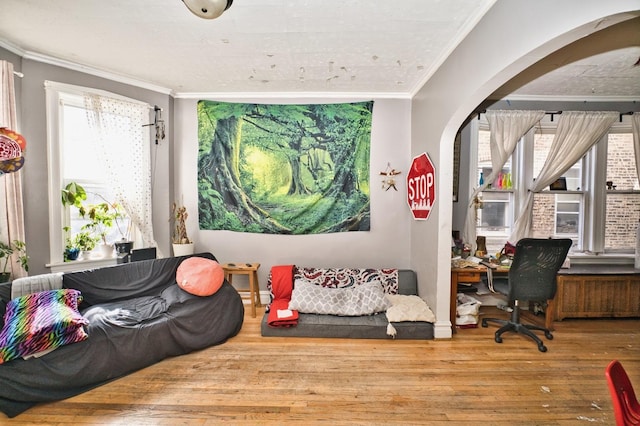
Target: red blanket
{"x":281,"y":287}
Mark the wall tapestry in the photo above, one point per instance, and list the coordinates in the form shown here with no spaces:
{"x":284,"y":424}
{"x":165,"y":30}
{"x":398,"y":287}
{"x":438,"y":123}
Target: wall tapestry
{"x":284,"y":169}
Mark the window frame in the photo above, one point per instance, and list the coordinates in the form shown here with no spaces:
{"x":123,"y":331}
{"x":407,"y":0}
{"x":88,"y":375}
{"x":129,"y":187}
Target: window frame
{"x":59,"y":216}
{"x":592,"y":189}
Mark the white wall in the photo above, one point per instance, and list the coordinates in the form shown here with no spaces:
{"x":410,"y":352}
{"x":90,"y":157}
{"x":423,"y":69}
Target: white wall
{"x":511,"y":37}
{"x":386,"y":245}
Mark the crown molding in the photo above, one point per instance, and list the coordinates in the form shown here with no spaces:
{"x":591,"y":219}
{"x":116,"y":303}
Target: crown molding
{"x":350,"y":96}
{"x":50,"y":60}
{"x":96,"y":72}
{"x":560,"y":98}
{"x":11,"y":47}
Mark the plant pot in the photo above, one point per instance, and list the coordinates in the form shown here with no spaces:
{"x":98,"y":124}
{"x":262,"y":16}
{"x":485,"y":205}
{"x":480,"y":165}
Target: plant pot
{"x":72,"y":253}
{"x":105,"y":250}
{"x":124,"y":247}
{"x":5,"y":277}
{"x":183,"y":249}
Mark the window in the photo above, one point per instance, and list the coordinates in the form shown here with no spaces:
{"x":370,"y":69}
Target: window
{"x":81,"y":162}
{"x":496,"y":215}
{"x":558,"y":214}
{"x":622,"y":194}
{"x":600,"y":208}
{"x":76,"y":155}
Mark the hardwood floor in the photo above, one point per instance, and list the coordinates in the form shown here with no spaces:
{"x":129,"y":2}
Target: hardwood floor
{"x":467,"y":380}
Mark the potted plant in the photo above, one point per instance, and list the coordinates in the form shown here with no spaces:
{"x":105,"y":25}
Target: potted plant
{"x":102,"y":217}
{"x":182,"y":245}
{"x":82,"y":242}
{"x":6,"y":251}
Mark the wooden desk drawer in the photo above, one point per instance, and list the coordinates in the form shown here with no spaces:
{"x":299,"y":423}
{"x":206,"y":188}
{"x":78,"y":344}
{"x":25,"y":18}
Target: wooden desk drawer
{"x":469,"y":277}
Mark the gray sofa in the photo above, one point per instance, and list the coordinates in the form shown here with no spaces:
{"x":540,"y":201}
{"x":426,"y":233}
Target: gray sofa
{"x":360,"y":327}
{"x":137,"y":316}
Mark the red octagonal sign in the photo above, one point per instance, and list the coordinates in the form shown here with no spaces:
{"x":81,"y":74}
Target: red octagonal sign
{"x":421,"y":187}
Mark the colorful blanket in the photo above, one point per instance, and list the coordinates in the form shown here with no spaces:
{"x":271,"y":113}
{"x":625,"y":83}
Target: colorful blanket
{"x":281,"y":287}
{"x":41,"y":321}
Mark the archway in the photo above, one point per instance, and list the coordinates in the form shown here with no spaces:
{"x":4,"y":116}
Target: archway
{"x":489,"y":57}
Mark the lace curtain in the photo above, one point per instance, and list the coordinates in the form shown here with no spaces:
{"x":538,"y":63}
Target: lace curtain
{"x":118,"y":126}
{"x":11,"y":205}
{"x":576,"y":133}
{"x":507,"y":127}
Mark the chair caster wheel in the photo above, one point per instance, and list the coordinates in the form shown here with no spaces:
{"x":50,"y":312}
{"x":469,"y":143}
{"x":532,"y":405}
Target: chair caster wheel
{"x":548,"y":335}
{"x":498,"y":339}
{"x":542,"y":348}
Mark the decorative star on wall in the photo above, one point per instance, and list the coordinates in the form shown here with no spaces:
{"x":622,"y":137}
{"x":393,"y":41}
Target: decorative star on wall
{"x":389,"y":180}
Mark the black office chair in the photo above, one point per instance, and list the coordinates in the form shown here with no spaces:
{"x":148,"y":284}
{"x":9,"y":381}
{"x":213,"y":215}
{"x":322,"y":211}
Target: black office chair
{"x":532,"y":277}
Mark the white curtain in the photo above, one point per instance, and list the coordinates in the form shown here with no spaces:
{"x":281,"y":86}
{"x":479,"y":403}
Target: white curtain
{"x":507,"y":127}
{"x":635,"y":126}
{"x":118,"y":124}
{"x":576,"y":133}
{"x":11,"y":204}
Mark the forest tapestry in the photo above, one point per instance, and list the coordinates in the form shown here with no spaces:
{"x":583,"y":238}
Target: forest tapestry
{"x":284,"y":169}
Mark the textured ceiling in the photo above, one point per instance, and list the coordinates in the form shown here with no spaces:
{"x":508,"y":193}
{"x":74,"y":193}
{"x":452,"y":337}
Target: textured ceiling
{"x":255,"y":46}
{"x":356,"y":46}
{"x":601,"y":65}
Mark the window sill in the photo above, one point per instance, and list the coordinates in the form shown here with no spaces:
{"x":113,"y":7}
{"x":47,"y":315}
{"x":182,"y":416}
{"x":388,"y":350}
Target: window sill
{"x":560,"y":191}
{"x":497,"y":190}
{"x":81,"y":265}
{"x":600,"y":259}
{"x":623,"y":191}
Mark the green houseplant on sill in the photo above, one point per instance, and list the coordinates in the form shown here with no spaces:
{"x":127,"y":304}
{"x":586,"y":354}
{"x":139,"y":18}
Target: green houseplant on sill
{"x":182,"y":245}
{"x":6,"y":251}
{"x":102,"y":217}
{"x":82,"y":242}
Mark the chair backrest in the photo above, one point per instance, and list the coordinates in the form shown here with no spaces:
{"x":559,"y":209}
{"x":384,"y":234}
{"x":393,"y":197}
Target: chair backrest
{"x":532,"y":275}
{"x":623,"y":398}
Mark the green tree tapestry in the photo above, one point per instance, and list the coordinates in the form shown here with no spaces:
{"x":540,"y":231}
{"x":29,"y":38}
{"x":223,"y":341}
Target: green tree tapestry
{"x":284,"y":169}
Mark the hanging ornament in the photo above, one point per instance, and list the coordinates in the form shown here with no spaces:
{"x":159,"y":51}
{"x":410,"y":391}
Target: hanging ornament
{"x":389,"y":180}
{"x":12,"y":147}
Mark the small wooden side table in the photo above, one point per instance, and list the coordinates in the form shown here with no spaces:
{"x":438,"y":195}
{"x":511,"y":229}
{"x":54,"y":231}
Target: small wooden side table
{"x":250,"y":269}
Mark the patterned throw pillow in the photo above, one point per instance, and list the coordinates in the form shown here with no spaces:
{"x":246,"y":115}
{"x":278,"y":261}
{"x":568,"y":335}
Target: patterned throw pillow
{"x":364,"y":299}
{"x":40,"y":321}
{"x":348,"y":277}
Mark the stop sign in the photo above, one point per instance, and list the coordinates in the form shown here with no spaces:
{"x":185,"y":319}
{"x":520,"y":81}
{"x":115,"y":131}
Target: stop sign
{"x":421,"y":187}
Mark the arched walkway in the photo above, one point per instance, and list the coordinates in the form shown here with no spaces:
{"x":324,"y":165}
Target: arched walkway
{"x":511,"y":37}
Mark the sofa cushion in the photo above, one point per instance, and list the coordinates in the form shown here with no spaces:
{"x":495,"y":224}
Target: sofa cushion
{"x":200,"y":276}
{"x":364,"y":299}
{"x":41,"y":321}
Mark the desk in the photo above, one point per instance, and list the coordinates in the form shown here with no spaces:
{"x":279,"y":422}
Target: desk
{"x":462,"y":275}
{"x":250,"y":269}
{"x":474,"y":275}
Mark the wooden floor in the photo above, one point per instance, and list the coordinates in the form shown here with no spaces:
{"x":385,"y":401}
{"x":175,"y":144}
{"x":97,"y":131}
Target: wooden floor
{"x":468,"y":380}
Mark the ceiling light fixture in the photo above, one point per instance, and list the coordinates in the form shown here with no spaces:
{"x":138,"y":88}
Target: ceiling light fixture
{"x":208,"y":9}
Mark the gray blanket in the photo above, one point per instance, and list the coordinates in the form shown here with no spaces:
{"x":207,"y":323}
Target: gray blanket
{"x":137,"y":317}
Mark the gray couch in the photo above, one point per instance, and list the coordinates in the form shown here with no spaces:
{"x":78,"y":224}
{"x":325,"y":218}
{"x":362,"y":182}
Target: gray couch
{"x":137,"y":316}
{"x":361,"y":327}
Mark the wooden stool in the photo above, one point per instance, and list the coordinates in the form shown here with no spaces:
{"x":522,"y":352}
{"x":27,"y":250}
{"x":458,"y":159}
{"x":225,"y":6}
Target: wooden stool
{"x":250,"y":269}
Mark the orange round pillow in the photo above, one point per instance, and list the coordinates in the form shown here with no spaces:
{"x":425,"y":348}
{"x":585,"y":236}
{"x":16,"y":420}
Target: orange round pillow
{"x":200,"y":276}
